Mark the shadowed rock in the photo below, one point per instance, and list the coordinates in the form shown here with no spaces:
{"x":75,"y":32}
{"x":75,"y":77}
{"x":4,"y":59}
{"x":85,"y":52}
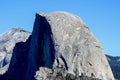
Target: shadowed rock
{"x":59,"y":41}
{"x":7,"y":43}
{"x":76,"y":48}
{"x":37,"y":51}
{"x":42,"y":52}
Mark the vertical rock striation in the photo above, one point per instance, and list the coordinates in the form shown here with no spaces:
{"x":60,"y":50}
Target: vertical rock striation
{"x":42,"y":52}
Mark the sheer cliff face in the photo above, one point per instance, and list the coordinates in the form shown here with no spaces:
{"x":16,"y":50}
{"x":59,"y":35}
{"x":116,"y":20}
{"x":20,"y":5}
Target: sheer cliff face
{"x":76,"y":48}
{"x":42,"y":52}
{"x":37,"y":51}
{"x":59,"y":39}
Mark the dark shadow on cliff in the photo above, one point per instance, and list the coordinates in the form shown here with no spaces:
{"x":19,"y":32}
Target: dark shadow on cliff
{"x":18,"y":63}
{"x":42,"y":52}
{"x":37,"y":51}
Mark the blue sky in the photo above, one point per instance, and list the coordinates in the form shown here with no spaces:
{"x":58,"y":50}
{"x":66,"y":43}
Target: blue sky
{"x":101,"y":16}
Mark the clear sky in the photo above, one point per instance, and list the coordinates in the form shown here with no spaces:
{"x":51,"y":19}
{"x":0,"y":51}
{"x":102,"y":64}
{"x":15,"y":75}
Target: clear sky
{"x":101,"y":16}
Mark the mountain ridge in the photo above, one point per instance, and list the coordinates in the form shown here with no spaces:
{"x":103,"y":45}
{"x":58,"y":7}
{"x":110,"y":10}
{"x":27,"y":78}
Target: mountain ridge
{"x":8,"y":41}
{"x":58,"y":40}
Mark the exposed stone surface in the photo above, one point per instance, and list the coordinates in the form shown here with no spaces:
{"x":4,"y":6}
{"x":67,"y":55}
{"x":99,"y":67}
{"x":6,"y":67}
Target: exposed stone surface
{"x":37,"y":51}
{"x":4,"y":69}
{"x":42,"y":52}
{"x":59,"y":41}
{"x":7,"y":43}
{"x":59,"y":74}
{"x":76,"y":47}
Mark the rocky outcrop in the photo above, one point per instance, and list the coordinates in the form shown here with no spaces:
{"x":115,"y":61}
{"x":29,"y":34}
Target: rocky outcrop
{"x":37,"y":51}
{"x":76,"y":47}
{"x":59,"y":74}
{"x":42,"y":52}
{"x":7,"y":43}
{"x":59,"y":41}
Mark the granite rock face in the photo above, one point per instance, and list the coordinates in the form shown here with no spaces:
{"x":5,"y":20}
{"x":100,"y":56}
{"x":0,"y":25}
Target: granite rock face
{"x":59,"y":73}
{"x":76,"y":48}
{"x":42,"y":52}
{"x":60,"y":43}
{"x":37,"y":51}
{"x":7,"y":43}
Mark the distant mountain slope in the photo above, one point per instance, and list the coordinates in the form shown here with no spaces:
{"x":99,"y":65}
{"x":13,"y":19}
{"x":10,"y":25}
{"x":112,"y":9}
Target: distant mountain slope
{"x":115,"y":65}
{"x":8,"y":41}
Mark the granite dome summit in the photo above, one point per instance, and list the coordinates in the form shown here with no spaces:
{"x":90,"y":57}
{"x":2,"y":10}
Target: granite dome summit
{"x":59,"y":40}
